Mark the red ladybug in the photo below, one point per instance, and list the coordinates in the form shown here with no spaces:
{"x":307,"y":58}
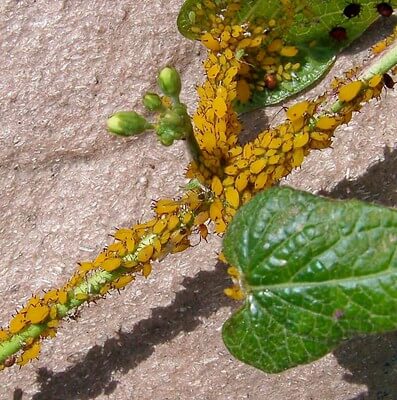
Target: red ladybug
{"x":384,"y":9}
{"x":270,"y":81}
{"x":338,"y":33}
{"x":352,"y":10}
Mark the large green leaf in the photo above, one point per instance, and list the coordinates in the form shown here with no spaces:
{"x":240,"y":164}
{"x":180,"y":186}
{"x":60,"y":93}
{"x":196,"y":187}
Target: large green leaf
{"x":312,"y":22}
{"x":315,"y":271}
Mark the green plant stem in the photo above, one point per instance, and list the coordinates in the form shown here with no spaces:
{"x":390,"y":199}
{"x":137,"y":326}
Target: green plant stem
{"x":387,"y":61}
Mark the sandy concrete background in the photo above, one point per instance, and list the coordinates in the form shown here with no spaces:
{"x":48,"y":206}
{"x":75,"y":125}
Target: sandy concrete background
{"x":65,"y":183}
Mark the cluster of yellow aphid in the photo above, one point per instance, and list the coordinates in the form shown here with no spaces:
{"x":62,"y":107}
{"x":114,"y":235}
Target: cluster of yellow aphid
{"x":132,"y":252}
{"x":229,"y":173}
{"x":267,"y":59}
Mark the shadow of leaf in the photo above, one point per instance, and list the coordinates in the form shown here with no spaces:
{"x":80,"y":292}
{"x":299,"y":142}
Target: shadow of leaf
{"x":202,"y":296}
{"x":372,"y":360}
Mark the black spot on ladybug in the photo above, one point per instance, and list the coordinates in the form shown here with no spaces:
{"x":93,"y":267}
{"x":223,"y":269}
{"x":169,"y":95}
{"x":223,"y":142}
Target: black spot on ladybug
{"x":388,"y":81}
{"x":384,"y":9}
{"x":338,"y":33}
{"x":352,"y":10}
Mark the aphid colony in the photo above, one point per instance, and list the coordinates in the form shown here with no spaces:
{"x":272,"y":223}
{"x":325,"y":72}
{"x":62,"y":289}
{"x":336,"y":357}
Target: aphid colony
{"x":229,"y":174}
{"x":130,"y":254}
{"x":265,"y":58}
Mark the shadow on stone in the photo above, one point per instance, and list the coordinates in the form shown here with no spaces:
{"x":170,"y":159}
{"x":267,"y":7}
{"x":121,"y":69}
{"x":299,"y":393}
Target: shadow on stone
{"x":202,"y":296}
{"x":372,"y":360}
{"x":377,"y":185}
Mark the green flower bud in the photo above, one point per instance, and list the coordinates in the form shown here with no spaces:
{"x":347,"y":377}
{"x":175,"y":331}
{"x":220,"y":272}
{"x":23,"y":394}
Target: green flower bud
{"x":152,"y":102}
{"x":127,"y":123}
{"x":169,"y":82}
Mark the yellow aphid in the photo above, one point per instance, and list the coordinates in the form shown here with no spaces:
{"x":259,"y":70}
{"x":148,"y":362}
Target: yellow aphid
{"x":3,"y":334}
{"x":379,"y":47}
{"x":279,"y":172}
{"x":85,"y":267}
{"x":187,"y":218}
{"x":260,"y":181}
{"x":301,"y":139}
{"x":320,"y":136}
{"x":287,"y":146}
{"x":111,"y":264}
{"x":173,"y":222}
{"x":104,"y":289}
{"x":231,"y":170}
{"x":243,"y":90}
{"x":257,"y":166}
{"x":216,"y":209}
{"x":180,"y":247}
{"x":297,"y":157}
{"x":50,"y":296}
{"x":201,"y":218}
{"x":375,"y":81}
{"x":123,"y":234}
{"x":165,"y":237}
{"x":233,"y":271}
{"x":53,"y":311}
{"x":241,"y":164}
{"x":166,"y":206}
{"x":102,"y":256}
{"x":297,"y":110}
{"x":209,"y":42}
{"x":145,"y":254}
{"x":275,"y":143}
{"x":219,"y":107}
{"x":53,"y":324}
{"x":235,"y":151}
{"x":37,"y":314}
{"x":81,"y":296}
{"x":232,"y":197}
{"x":234,"y":293}
{"x":350,"y":91}
{"x":123,"y":281}
{"x":326,"y":123}
{"x":275,"y":46}
{"x":62,"y":297}
{"x":220,"y":226}
{"x":130,"y":244}
{"x":115,"y":248}
{"x":160,"y":226}
{"x":157,"y":245}
{"x":213,"y":71}
{"x":241,"y":181}
{"x":17,"y":323}
{"x":228,"y":181}
{"x":146,"y":269}
{"x":49,"y":332}
{"x":177,"y":236}
{"x":288,"y":51}
{"x":216,"y":186}
{"x":29,"y":354}
{"x":274,"y":159}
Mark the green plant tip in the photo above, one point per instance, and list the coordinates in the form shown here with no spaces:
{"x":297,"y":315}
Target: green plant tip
{"x":152,"y":102}
{"x":127,"y":123}
{"x":169,"y":82}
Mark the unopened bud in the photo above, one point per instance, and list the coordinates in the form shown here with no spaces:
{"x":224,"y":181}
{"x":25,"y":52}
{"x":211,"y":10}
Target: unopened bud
{"x":169,"y":82}
{"x":152,"y":102}
{"x":127,"y":123}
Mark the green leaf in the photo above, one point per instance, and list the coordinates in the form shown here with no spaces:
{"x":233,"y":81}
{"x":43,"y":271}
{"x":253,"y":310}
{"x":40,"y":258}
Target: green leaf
{"x":315,"y":271}
{"x":309,"y":30}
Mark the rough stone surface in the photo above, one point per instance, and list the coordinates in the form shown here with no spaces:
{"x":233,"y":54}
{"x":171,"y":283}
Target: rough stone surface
{"x":65,"y":184}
